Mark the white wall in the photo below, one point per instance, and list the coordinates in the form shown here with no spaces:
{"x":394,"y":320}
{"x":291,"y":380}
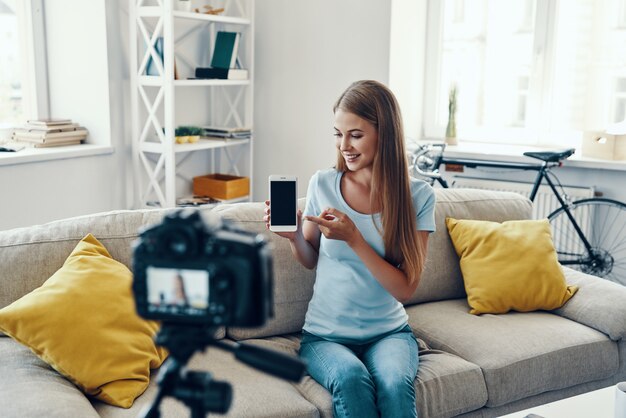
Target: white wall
{"x":306,"y":54}
{"x":407,"y":61}
{"x":79,"y":89}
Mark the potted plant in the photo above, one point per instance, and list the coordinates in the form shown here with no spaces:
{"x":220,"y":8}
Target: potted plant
{"x":194,"y":133}
{"x":451,"y":128}
{"x":186,"y":134}
{"x":182,"y":134}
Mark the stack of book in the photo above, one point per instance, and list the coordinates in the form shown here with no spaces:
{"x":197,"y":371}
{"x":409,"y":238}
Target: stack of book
{"x":224,"y":62}
{"x":50,"y":133}
{"x":217,"y":132}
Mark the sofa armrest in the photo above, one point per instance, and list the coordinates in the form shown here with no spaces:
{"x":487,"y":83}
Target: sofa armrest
{"x":599,"y":304}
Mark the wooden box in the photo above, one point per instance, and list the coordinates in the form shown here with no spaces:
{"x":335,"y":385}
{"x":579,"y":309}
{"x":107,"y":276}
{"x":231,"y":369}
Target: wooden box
{"x":604,"y":146}
{"x":221,"y":186}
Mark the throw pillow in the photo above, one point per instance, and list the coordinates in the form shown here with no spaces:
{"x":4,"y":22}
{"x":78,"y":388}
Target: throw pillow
{"x":82,"y":321}
{"x":509,"y":266}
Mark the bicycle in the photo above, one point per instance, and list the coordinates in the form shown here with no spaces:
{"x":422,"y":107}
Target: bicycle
{"x":589,"y":234}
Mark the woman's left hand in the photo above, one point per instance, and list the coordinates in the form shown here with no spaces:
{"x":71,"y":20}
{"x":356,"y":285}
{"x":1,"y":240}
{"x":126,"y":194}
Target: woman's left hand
{"x":335,"y":224}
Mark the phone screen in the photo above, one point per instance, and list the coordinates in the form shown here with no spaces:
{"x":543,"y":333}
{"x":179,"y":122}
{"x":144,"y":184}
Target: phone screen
{"x":283,"y":203}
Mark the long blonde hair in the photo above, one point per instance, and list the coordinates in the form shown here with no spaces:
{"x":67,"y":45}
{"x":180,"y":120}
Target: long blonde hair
{"x":391,"y":190}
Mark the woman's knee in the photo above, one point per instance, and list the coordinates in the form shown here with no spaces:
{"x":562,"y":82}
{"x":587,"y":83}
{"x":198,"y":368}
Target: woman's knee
{"x":352,"y":376}
{"x":394,"y":385}
{"x":335,"y":368}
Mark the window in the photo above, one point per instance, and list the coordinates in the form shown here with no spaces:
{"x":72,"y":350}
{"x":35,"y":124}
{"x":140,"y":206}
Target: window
{"x":526,"y":71}
{"x":23,"y":90}
{"x":11,"y":98}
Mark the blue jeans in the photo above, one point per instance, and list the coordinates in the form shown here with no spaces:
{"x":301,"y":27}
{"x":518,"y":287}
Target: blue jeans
{"x":366,"y":380}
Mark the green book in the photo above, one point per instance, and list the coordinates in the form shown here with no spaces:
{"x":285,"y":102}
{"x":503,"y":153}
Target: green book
{"x":225,"y":50}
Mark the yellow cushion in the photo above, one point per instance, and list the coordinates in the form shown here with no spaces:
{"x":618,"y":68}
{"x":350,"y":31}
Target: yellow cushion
{"x":82,"y":321}
{"x":509,"y":266}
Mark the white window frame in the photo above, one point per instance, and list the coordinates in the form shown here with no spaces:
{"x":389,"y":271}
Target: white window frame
{"x":36,"y":103}
{"x":538,"y":103}
{"x":33,"y":50}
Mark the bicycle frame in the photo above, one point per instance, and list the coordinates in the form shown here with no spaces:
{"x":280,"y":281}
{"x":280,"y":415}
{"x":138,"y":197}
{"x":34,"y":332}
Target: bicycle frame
{"x":542,"y":173}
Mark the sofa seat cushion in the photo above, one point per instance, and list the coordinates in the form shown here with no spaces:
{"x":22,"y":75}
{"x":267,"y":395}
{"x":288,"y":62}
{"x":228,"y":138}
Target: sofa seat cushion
{"x":446,"y":385}
{"x":29,"y":387}
{"x":254,"y":393}
{"x":520,"y":354}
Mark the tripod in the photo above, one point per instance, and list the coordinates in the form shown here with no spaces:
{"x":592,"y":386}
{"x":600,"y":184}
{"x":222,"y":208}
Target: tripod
{"x":198,"y":390}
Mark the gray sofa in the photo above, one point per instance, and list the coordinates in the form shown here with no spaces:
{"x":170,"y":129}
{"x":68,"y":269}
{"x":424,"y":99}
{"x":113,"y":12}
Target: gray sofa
{"x":470,"y":366}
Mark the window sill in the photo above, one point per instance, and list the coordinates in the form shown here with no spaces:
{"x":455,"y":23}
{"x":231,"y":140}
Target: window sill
{"x":506,"y":152}
{"x":35,"y":155}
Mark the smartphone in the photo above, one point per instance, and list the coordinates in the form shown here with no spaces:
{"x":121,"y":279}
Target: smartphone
{"x":283,"y":203}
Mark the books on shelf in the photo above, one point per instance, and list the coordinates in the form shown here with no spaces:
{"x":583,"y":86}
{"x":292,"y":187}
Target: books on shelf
{"x":225,"y":64}
{"x":220,"y":132}
{"x":222,"y":73}
{"x":151,"y":68}
{"x":50,"y":133}
{"x":225,"y":50}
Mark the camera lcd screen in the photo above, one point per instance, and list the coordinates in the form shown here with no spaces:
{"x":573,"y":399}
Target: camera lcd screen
{"x":283,"y":195}
{"x":177,"y":291}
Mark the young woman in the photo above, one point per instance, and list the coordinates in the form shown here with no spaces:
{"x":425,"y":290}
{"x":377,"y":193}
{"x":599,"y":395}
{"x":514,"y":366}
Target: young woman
{"x":366,"y":226}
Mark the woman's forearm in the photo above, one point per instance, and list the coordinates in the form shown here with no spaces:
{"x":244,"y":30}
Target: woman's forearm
{"x":303,"y":251}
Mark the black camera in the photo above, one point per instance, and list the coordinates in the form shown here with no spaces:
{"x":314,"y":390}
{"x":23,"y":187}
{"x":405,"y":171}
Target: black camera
{"x":188,"y":272}
{"x":195,"y":277}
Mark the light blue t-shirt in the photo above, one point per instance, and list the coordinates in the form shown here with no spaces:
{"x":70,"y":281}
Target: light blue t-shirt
{"x":348,"y":304}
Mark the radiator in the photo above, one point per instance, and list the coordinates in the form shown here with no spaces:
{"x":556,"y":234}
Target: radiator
{"x":545,"y":201}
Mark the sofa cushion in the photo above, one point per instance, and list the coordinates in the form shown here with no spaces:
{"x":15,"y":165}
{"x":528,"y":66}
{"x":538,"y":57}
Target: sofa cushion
{"x":29,"y":256}
{"x":442,"y":278}
{"x":82,"y":321}
{"x":254,"y":393}
{"x":31,"y":388}
{"x":520,"y":354}
{"x":293,"y":284}
{"x":509,"y":266}
{"x":446,"y":385}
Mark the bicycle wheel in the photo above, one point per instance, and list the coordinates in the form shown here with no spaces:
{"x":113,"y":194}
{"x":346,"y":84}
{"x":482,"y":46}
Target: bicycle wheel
{"x":603,"y":223}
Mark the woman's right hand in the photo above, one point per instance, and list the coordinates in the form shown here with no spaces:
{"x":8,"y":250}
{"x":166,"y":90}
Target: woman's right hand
{"x":289,"y":235}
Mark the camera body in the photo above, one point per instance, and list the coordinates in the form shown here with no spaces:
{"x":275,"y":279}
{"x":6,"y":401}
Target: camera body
{"x":187,"y":272}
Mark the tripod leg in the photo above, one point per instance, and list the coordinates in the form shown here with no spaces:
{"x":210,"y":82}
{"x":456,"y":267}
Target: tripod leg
{"x":166,"y":379}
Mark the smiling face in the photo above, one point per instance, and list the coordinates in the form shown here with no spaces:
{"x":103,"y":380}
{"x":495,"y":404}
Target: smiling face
{"x":356,"y":140}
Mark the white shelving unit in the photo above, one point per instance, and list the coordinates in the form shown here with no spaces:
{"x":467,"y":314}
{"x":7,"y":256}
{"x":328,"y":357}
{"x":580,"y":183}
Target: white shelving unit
{"x":157,"y":100}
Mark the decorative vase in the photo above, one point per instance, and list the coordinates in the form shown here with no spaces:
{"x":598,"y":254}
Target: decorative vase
{"x":451,"y":128}
{"x":451,"y":132}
